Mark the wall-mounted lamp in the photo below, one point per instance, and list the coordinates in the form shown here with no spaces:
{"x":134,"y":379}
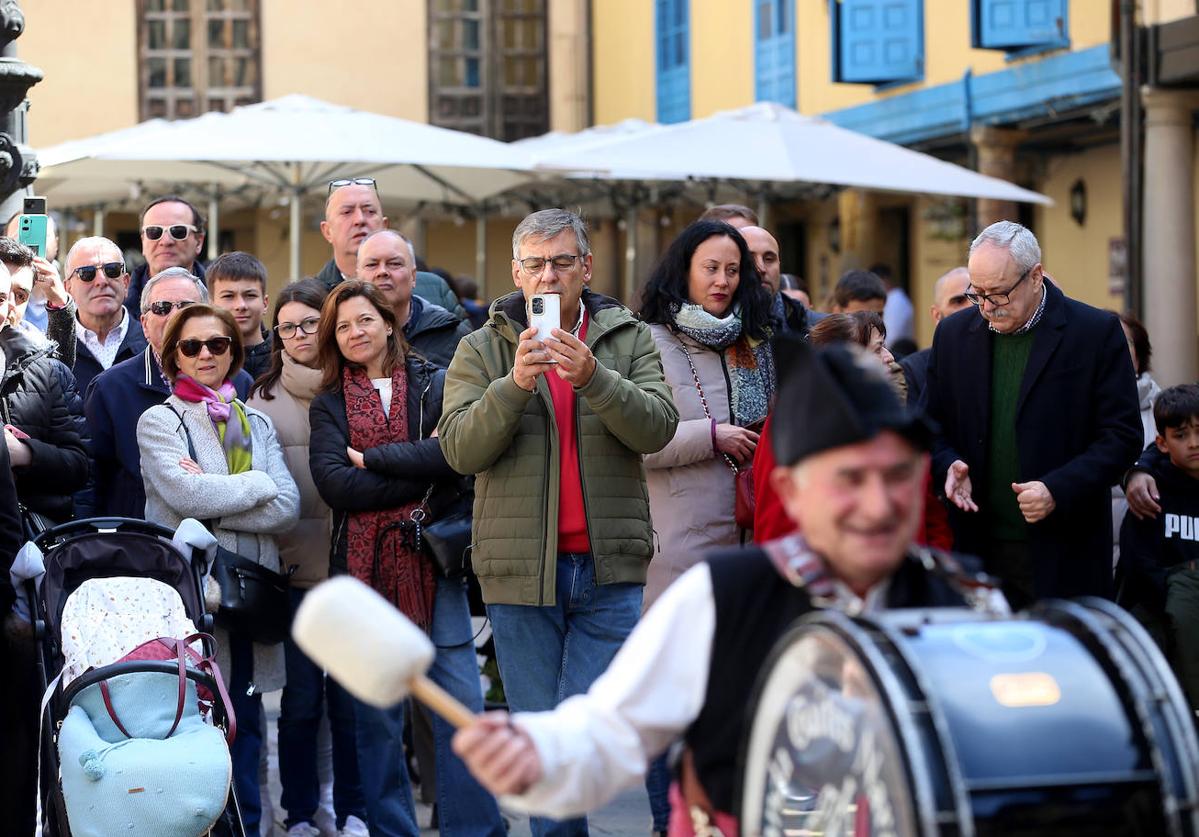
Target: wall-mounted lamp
{"x":1078,"y":202}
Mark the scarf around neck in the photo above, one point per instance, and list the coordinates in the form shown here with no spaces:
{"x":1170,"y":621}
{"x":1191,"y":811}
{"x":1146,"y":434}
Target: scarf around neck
{"x":228,"y":418}
{"x":750,"y":362}
{"x":300,"y":381}
{"x":381,"y":548}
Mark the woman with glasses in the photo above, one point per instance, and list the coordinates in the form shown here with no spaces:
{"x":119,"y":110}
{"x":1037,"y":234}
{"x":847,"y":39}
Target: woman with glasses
{"x":285,"y":393}
{"x":375,"y":461}
{"x":205,"y":455}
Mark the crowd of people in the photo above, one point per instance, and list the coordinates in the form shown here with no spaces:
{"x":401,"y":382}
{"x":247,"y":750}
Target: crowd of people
{"x":607,"y":465}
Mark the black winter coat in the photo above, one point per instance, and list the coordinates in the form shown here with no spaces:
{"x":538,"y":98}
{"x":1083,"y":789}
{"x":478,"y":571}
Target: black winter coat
{"x":395,"y":474}
{"x":434,"y":332}
{"x":1078,"y":426}
{"x":40,"y":398}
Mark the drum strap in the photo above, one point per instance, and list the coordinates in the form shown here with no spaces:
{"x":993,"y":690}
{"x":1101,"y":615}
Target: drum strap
{"x":801,"y":567}
{"x":981,"y":591}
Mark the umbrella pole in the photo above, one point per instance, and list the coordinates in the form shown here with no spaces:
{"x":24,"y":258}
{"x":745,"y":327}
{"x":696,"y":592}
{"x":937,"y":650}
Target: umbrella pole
{"x":630,"y":255}
{"x":294,"y":236}
{"x":481,"y":249}
{"x":98,"y":223}
{"x":214,"y":223}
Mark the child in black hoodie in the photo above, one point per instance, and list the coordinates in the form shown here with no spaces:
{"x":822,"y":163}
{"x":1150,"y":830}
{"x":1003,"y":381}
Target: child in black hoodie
{"x":1158,"y":574}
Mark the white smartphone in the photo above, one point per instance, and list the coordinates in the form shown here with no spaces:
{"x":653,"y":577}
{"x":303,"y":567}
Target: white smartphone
{"x":545,"y":313}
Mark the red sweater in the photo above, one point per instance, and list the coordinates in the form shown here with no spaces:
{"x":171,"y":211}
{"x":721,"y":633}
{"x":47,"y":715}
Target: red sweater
{"x":572,"y":514}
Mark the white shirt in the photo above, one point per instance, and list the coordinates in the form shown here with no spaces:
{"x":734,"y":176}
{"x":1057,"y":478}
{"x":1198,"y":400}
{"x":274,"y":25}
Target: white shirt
{"x":897,"y":316}
{"x":105,"y":352}
{"x":383,"y":385}
{"x":595,"y":745}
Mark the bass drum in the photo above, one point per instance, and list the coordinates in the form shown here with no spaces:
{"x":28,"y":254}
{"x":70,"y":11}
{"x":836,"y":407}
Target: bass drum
{"x":1064,"y":720}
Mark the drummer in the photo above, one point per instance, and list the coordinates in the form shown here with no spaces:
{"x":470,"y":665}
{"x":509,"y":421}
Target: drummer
{"x":851,"y":468}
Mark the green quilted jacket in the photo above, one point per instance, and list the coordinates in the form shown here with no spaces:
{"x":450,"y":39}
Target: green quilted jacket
{"x":508,"y":438}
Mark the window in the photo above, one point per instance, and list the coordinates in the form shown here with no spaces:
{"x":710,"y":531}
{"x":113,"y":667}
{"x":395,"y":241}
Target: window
{"x":487,"y":67}
{"x":1019,"y":24}
{"x":197,"y":56}
{"x":877,"y":41}
{"x":673,"y":47}
{"x":774,"y":51}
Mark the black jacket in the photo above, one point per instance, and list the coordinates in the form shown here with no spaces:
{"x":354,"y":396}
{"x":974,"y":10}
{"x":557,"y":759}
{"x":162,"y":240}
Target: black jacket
{"x":138,"y":280}
{"x":434,"y":332}
{"x":258,"y":357}
{"x":395,"y":474}
{"x":915,"y":372}
{"x":11,"y":535}
{"x":1150,"y":547}
{"x":791,"y":317}
{"x":87,"y":367}
{"x":1078,"y":424}
{"x":40,"y":398}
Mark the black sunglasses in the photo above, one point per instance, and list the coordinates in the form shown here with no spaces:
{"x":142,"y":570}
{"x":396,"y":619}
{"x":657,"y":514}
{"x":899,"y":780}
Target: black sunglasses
{"x":164,"y":307}
{"x":352,"y":181}
{"x":87,"y":272}
{"x":217,"y":346}
{"x":177,"y":231}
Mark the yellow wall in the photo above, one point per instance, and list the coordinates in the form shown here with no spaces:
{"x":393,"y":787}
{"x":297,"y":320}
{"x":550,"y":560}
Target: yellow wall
{"x":722,"y":56}
{"x":1164,"y":11}
{"x":568,"y":70}
{"x":622,"y":38}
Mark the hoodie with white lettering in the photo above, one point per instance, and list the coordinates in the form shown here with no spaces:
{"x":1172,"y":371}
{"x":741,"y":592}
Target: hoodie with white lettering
{"x":1151,"y":547}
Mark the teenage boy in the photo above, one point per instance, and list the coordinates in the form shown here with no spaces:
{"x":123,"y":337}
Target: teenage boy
{"x":1158,"y":573}
{"x":237,"y":283}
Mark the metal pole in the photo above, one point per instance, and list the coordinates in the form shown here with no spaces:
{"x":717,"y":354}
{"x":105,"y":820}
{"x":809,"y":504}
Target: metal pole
{"x":98,"y":223}
{"x":293,"y":239}
{"x":630,"y":256}
{"x":214,"y":222}
{"x":1131,"y":156}
{"x":481,"y":249}
{"x":763,"y":210}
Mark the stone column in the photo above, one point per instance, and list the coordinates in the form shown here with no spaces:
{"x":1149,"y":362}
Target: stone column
{"x":1168,"y":242}
{"x":996,"y":157}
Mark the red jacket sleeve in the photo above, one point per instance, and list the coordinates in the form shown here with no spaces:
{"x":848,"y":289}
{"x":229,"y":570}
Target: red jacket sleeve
{"x":770,"y":520}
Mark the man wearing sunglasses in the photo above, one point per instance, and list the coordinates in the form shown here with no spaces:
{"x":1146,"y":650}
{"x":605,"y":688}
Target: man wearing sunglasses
{"x":1037,"y":403}
{"x":106,"y":334}
{"x":949,"y":297}
{"x":352,"y":212}
{"x":118,"y":397}
{"x":172,"y":232}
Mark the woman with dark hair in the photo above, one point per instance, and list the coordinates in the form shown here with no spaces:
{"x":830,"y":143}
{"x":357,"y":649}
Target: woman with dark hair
{"x":206,"y":455}
{"x":867,"y":329}
{"x":1147,"y":391}
{"x":285,"y":392}
{"x":375,"y":461}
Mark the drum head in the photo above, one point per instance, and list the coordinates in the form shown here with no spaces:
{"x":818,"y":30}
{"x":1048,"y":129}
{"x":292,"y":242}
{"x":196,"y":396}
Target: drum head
{"x":821,"y":756}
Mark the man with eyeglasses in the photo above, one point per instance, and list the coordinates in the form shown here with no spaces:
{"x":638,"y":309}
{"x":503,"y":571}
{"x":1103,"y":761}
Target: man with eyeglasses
{"x":172,"y":232}
{"x":1037,"y":403}
{"x":352,"y":212}
{"x":949,"y":297}
{"x":118,"y":397}
{"x":555,"y":430}
{"x":106,"y":334}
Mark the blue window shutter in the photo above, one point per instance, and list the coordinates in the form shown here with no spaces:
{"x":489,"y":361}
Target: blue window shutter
{"x":878,"y":41}
{"x":672,"y":39}
{"x":774,"y":51}
{"x":1008,"y":24}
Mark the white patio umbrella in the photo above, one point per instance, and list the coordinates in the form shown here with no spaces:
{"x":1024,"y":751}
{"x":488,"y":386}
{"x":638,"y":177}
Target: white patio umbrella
{"x":293,"y":145}
{"x":770,"y":143}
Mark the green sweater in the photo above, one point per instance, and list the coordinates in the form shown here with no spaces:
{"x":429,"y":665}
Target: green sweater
{"x":1009,"y":356}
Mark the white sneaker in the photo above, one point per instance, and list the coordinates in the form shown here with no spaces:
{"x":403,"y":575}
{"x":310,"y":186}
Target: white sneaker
{"x":354,"y":827}
{"x":303,"y":829}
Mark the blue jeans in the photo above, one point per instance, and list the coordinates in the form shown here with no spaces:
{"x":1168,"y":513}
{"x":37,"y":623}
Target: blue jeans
{"x":465,"y":809}
{"x":245,"y":750}
{"x":546,"y":654}
{"x":307,"y":694}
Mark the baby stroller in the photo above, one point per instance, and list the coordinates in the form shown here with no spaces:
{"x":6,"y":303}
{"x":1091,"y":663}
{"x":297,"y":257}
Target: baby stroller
{"x":165,"y":758}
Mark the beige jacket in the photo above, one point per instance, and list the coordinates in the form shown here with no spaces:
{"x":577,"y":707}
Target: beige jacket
{"x":307,"y":545}
{"x":691,"y":489}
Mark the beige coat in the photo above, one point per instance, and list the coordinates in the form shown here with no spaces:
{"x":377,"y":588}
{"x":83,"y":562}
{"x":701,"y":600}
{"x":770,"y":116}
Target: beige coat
{"x":691,"y":488}
{"x":307,"y":545}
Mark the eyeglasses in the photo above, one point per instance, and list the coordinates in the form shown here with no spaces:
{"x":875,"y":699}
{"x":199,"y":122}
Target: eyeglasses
{"x":288,"y":330}
{"x":178,"y":231}
{"x":1000,"y":299}
{"x":87,"y":272}
{"x":353,"y":181}
{"x":163,"y":307}
{"x":535,"y":264}
{"x":216,"y":346}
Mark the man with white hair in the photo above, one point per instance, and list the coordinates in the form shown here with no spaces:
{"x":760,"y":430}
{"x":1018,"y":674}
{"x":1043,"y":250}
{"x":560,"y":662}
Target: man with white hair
{"x":1036,"y":399}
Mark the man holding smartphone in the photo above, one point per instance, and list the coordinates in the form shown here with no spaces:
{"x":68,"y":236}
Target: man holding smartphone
{"x":562,"y":552}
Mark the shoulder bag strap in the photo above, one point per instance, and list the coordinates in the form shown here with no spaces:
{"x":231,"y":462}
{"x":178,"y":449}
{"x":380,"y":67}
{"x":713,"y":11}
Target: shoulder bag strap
{"x":181,"y":655}
{"x":207,"y":664}
{"x":704,"y":401}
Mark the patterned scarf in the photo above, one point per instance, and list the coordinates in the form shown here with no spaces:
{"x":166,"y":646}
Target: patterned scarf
{"x":381,"y":550}
{"x":222,"y":405}
{"x":750,"y":362}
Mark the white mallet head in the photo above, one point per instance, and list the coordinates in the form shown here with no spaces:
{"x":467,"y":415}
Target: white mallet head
{"x":364,"y":643}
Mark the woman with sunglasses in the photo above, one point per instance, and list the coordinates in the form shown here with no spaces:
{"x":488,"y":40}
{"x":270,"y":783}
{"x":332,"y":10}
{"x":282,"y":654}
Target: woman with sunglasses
{"x":285,"y":392}
{"x":375,"y":461}
{"x":207,"y":456}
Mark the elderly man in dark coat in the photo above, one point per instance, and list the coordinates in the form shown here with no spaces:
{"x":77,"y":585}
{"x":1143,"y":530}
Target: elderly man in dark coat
{"x":1036,"y":398}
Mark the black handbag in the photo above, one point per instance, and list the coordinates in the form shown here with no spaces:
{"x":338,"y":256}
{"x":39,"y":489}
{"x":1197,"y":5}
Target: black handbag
{"x":447,"y":540}
{"x":255,"y":602}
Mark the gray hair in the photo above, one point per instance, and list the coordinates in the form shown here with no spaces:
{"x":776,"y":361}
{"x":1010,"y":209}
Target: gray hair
{"x":397,"y":234}
{"x":1017,"y":239}
{"x":92,"y":241}
{"x":547,"y":223}
{"x":172,"y":273}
